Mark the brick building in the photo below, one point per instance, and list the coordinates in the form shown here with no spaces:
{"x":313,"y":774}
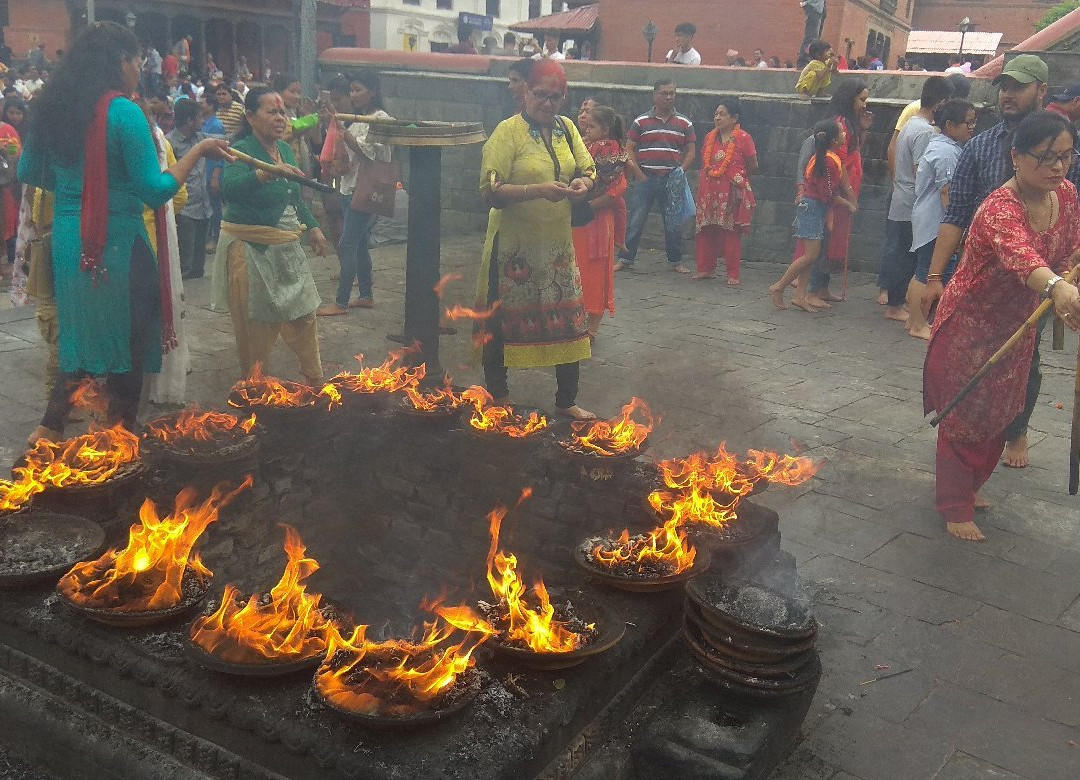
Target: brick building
{"x":255,"y":29}
{"x":854,"y":27}
{"x":1015,"y":19}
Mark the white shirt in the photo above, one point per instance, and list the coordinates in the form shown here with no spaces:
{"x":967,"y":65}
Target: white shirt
{"x":370,"y":149}
{"x":689,"y":57}
{"x":762,"y":64}
{"x":955,"y":69}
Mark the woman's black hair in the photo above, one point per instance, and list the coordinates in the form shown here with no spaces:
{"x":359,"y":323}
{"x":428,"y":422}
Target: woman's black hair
{"x":338,"y":85}
{"x":282,"y":81}
{"x":842,"y":104}
{"x":64,"y":109}
{"x":1038,"y":127}
{"x":369,"y":79}
{"x":733,"y":106}
{"x":605,"y":116}
{"x":825,"y":134}
{"x":817,"y":48}
{"x":14,"y":102}
{"x":955,"y":111}
{"x":251,"y":103}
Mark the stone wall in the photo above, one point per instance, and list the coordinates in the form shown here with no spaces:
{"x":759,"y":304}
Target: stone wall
{"x":777,"y":120}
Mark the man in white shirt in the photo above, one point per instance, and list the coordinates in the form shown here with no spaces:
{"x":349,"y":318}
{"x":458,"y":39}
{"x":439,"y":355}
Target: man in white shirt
{"x":759,"y":59}
{"x":683,"y":53}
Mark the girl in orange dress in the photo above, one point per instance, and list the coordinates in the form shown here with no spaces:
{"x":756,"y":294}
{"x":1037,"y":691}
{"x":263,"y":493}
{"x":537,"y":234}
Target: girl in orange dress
{"x":725,"y":201}
{"x":595,"y":243}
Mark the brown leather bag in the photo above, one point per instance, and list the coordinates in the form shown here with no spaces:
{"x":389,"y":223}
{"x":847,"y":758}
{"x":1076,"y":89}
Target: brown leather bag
{"x":376,"y":186}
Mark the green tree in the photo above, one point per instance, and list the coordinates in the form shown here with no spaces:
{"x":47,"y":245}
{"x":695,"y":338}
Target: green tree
{"x":1056,"y":13}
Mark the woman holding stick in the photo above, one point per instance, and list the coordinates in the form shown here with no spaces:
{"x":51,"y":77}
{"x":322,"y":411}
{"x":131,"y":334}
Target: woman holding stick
{"x":261,"y":273}
{"x":1023,"y":236}
{"x":93,"y":147}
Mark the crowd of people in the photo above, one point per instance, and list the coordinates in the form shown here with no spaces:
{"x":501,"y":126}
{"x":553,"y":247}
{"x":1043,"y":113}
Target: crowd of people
{"x":124,"y":191}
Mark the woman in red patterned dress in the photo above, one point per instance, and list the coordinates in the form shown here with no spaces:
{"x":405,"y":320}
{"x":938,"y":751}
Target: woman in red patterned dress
{"x":1023,"y":236}
{"x":725,"y":201}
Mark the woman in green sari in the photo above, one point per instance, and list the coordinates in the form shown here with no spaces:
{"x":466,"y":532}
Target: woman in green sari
{"x":534,"y":164}
{"x":261,"y":273}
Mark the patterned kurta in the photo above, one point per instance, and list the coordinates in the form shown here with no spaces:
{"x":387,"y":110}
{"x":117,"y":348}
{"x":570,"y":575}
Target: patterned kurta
{"x":984,"y":304}
{"x":726,"y":202}
{"x":539,"y":284}
{"x":840,"y":231}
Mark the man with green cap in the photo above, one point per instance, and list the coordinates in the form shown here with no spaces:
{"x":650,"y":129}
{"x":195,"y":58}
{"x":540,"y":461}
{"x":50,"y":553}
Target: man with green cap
{"x":984,"y":165}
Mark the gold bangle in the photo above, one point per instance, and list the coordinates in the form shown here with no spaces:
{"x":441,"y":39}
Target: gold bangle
{"x":933,"y":277}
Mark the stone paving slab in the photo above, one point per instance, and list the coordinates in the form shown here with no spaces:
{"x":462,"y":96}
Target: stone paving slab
{"x":987,"y":636}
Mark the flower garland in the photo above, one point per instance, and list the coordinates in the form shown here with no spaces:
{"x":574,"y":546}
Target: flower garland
{"x":727,"y":154}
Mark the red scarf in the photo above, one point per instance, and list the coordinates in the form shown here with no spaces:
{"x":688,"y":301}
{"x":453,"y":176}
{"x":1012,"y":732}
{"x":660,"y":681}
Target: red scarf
{"x":94,"y":222}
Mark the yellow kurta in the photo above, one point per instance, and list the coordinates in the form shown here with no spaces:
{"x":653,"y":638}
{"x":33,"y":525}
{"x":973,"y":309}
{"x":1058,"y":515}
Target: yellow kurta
{"x":539,"y":285}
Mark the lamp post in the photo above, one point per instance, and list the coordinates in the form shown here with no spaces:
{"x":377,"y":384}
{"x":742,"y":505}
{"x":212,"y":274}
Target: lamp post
{"x":649,"y":31}
{"x":965,"y":26}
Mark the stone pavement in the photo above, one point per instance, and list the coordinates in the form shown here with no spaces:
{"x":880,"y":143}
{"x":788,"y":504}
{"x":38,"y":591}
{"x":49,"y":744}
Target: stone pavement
{"x":983,"y":639}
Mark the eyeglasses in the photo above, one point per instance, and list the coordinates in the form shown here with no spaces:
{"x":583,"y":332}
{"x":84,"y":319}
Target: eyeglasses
{"x":547,"y":97}
{"x":1048,"y":159}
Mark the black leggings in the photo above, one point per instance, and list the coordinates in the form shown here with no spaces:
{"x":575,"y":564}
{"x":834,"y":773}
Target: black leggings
{"x":123,"y":390}
{"x":495,"y":373}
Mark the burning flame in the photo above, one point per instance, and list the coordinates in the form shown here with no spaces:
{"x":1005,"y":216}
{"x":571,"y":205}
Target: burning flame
{"x":701,"y":483}
{"x":617,"y":436}
{"x":536,"y":628}
{"x":148,"y":573}
{"x":89,"y":396}
{"x":387,"y":378}
{"x":193,"y":424}
{"x":459,"y":312}
{"x":435,"y":400}
{"x":487,"y":416}
{"x":440,"y":286}
{"x":664,"y":547}
{"x":261,"y":390}
{"x":400,"y":677}
{"x":287,"y":626}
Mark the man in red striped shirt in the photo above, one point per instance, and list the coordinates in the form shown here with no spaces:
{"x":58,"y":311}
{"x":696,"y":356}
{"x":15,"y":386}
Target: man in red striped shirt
{"x":661,"y":146}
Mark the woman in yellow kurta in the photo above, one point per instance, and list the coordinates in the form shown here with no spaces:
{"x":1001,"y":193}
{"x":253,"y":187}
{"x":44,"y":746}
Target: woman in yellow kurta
{"x":534,"y":165}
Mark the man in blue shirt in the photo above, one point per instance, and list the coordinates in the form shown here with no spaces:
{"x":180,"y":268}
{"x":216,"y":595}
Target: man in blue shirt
{"x":982,"y":168}
{"x":192,"y":222}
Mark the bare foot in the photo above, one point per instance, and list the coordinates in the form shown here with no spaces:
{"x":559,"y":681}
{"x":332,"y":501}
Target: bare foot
{"x":575,"y":412}
{"x":969,"y":532}
{"x":732,"y":282}
{"x":817,"y":302}
{"x":680,"y":268}
{"x":981,"y":504}
{"x":699,"y":277}
{"x":41,"y":432}
{"x":776,"y":295}
{"x":1016,"y":453}
{"x":331,"y":310}
{"x":883,"y":298}
{"x":804,"y":305}
{"x":621,"y":265}
{"x":825,"y":295}
{"x":896,"y":313}
{"x":920,"y":333}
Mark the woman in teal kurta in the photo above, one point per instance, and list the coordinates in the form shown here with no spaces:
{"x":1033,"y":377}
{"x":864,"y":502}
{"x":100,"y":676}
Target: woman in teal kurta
{"x":109,"y":320}
{"x":261,"y":273}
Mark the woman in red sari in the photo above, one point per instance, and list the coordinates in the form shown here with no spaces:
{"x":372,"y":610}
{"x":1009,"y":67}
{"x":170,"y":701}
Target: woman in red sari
{"x":1024,"y":235}
{"x":596,"y":242}
{"x":849,"y":104}
{"x":725,"y":201}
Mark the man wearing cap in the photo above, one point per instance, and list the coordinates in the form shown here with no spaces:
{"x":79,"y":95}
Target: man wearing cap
{"x":1067,"y":103}
{"x":982,"y":168}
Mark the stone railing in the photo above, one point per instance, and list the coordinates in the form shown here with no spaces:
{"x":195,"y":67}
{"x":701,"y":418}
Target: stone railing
{"x":473,"y":88}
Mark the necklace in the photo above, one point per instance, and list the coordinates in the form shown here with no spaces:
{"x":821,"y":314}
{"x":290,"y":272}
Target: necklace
{"x":1049,"y":203}
{"x":726,"y":155}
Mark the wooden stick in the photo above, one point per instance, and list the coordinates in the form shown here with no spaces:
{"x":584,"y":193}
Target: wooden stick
{"x":262,"y":165}
{"x":1074,"y":449}
{"x":385,"y":120}
{"x":1029,"y":323}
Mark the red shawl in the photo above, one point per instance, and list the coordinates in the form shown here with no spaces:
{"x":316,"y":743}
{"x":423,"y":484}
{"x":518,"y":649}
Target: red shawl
{"x":94,"y":222}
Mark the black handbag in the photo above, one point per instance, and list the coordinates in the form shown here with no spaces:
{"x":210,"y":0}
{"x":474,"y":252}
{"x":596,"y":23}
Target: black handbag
{"x":581,"y":213}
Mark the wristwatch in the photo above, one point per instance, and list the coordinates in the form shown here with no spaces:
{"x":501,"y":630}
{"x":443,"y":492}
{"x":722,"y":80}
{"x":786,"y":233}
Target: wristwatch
{"x":1049,"y":288}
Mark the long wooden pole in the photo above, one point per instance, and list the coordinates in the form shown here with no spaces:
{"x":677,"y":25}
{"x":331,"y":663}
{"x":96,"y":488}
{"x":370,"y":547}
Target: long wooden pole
{"x":262,"y":165}
{"x":1029,"y":323}
{"x":1074,"y":449}
{"x":385,"y":120}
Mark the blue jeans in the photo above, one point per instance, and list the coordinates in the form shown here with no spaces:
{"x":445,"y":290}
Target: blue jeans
{"x":354,"y":252}
{"x":642,"y":198}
